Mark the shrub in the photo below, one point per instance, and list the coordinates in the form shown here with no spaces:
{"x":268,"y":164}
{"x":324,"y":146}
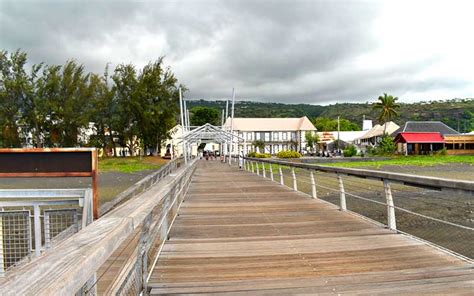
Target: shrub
{"x":288,"y":154}
{"x":258,"y":155}
{"x":350,"y":151}
{"x":442,"y":151}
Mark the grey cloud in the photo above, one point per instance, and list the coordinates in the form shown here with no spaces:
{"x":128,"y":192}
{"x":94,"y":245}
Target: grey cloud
{"x":285,"y":51}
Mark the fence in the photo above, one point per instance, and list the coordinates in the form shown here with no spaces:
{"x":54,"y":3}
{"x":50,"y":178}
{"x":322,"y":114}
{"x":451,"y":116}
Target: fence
{"x":34,"y":220}
{"x":115,"y":254}
{"x":436,"y":210}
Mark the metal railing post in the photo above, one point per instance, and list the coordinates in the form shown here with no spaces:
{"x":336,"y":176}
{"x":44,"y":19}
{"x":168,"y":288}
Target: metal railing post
{"x":295,"y":184}
{"x":343,"y":193}
{"x":264,"y":174}
{"x":37,"y":221}
{"x":391,"y":220}
{"x":271,"y":172}
{"x":313,"y":185}
{"x":281,"y":175}
{"x":253,"y":169}
{"x":258,"y":170}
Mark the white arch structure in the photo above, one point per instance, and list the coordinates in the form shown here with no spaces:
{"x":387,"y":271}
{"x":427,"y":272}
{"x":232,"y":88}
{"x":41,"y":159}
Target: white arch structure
{"x":209,"y":132}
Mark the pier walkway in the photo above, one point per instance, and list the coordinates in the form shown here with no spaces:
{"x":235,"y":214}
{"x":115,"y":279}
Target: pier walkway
{"x":239,"y":233}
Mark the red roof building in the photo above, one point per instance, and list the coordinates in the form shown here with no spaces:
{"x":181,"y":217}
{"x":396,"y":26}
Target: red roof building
{"x":406,"y":137}
{"x":418,"y":142}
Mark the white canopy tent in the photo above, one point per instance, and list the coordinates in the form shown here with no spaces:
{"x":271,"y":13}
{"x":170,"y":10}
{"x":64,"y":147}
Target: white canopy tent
{"x":210,"y":133}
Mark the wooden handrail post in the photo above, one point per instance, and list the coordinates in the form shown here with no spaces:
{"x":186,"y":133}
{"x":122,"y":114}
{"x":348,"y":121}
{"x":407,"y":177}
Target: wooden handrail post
{"x":313,"y":185}
{"x":391,"y":220}
{"x":295,"y":184}
{"x":264,"y":174}
{"x":342,"y":193}
{"x":281,"y":175}
{"x":258,"y":170}
{"x":253,"y":169}
{"x":271,"y":172}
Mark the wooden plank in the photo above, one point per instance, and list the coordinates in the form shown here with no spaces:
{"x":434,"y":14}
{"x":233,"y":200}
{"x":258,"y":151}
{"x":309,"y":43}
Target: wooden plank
{"x":240,"y":236}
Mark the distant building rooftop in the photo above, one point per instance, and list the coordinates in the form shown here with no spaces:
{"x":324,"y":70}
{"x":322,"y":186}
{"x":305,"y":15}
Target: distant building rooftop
{"x":427,"y":127}
{"x":407,"y":137}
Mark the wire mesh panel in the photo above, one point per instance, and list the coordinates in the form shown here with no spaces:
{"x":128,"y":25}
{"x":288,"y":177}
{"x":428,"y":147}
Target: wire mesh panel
{"x":15,"y":238}
{"x":59,"y":223}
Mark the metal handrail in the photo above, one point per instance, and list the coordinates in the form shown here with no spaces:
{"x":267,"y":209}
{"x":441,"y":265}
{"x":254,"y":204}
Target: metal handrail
{"x":388,"y":178}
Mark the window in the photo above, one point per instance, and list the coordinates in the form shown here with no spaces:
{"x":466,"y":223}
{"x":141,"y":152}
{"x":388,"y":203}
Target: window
{"x":275,"y":136}
{"x":284,"y":136}
{"x":267,"y":137}
{"x":249,"y":136}
{"x":293,"y":136}
{"x":257,"y":136}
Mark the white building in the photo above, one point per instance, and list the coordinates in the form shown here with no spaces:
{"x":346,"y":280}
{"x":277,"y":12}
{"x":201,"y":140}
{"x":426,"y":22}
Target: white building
{"x":277,"y":134}
{"x":374,"y":135}
{"x":173,"y":147}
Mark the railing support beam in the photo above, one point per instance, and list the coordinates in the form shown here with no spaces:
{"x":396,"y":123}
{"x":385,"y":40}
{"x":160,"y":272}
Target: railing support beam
{"x":271,"y":172}
{"x":281,"y":175}
{"x":391,"y":220}
{"x":342,"y":193}
{"x":264,"y":174}
{"x":258,"y":170}
{"x":295,"y":184}
{"x":314,"y":194}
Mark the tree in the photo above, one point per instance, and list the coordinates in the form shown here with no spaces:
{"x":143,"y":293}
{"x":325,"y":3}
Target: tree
{"x":387,"y":106}
{"x":203,"y":115}
{"x":325,"y":124}
{"x":260,"y":145}
{"x":311,"y":139}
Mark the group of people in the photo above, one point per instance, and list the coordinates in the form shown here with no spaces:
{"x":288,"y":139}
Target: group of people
{"x":211,"y":155}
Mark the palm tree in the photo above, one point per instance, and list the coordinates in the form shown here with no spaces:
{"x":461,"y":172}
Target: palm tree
{"x":388,"y":106}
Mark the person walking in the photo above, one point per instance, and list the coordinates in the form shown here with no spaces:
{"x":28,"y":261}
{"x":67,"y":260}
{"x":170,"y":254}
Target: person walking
{"x":241,"y":160}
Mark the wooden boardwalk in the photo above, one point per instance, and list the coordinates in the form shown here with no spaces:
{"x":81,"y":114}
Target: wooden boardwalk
{"x":239,"y":233}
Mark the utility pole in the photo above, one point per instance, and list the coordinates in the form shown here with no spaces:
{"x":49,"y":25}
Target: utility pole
{"x":338,"y":129}
{"x":232,"y":127}
{"x":181,"y":109}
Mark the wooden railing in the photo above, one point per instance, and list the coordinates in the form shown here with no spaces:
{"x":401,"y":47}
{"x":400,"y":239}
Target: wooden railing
{"x":76,"y":266}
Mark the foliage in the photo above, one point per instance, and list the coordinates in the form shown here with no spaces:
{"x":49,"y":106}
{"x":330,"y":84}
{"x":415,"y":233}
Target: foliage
{"x":129,"y":164}
{"x":387,"y":105}
{"x":386,"y":146}
{"x":259,"y":155}
{"x":442,"y":151}
{"x":456,"y":113}
{"x":202,"y":115}
{"x":56,"y":103}
{"x":415,"y":160}
{"x":288,"y":154}
{"x":311,"y":139}
{"x":325,"y":124}
{"x":259,"y":144}
{"x":350,"y":151}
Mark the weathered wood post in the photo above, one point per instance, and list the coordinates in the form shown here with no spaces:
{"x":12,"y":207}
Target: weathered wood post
{"x":258,"y":170}
{"x":271,"y":172}
{"x":264,"y":174}
{"x":342,"y":192}
{"x":313,"y":185}
{"x":295,"y":184}
{"x":391,"y":220}
{"x":281,"y":175}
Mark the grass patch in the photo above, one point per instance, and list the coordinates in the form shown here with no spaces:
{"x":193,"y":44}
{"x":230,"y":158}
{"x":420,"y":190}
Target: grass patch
{"x":419,"y":160}
{"x":130,"y":164}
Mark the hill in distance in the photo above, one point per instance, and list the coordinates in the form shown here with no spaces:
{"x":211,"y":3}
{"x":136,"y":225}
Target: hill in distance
{"x":457,"y":113}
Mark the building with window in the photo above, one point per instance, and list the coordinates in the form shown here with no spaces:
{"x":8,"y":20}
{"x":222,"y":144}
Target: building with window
{"x":277,"y":134}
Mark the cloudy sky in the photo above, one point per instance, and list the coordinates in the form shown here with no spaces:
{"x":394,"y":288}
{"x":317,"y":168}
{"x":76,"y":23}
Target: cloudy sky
{"x":281,"y":51}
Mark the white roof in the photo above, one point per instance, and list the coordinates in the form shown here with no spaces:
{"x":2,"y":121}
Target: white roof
{"x":271,"y":124}
{"x":346,"y":136}
{"x":378,"y":129}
